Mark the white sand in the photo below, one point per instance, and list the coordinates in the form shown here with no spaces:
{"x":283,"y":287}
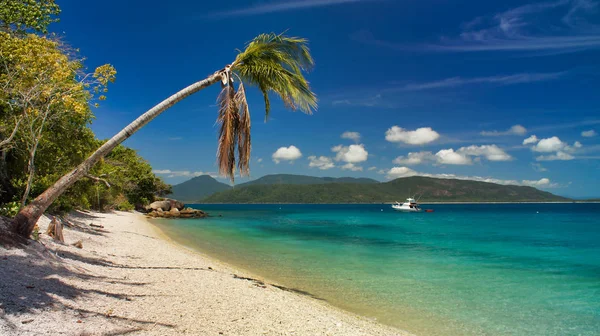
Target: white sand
{"x":129,"y":279}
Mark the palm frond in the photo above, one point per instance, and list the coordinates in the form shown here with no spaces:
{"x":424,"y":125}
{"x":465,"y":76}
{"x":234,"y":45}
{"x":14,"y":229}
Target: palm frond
{"x":265,"y":92}
{"x":243,"y":141}
{"x":228,"y":118}
{"x":275,"y":63}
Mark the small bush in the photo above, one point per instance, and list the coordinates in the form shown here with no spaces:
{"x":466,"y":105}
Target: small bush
{"x":125,"y":206}
{"x":122,"y":204}
{"x":36,"y":233}
{"x":9,"y":209}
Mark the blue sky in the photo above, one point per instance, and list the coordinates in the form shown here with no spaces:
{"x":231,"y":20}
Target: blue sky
{"x":506,"y":91}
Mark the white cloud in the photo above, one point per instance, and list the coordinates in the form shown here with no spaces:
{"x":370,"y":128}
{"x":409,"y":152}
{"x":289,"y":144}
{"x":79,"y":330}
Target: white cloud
{"x":543,"y":182}
{"x":372,"y":168}
{"x":561,"y":150}
{"x":449,"y":156}
{"x":548,"y":145}
{"x":559,"y":156}
{"x":420,"y":136}
{"x":513,"y":130}
{"x":398,"y":172}
{"x":518,"y":130}
{"x":565,"y":28}
{"x":161,"y":171}
{"x":453,"y":82}
{"x":279,"y":6}
{"x":259,"y":160}
{"x":182,"y":173}
{"x":376,"y":100}
{"x":290,"y":153}
{"x":352,"y":167}
{"x":531,"y":140}
{"x":321,"y":162}
{"x":351,"y":135}
{"x":459,"y":157}
{"x":490,"y":152}
{"x":538,"y":167}
{"x":589,"y":134}
{"x":415,"y":158}
{"x":350,"y":154}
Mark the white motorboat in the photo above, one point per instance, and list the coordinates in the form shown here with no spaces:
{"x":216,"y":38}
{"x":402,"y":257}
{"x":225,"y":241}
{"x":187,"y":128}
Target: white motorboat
{"x":409,"y":206}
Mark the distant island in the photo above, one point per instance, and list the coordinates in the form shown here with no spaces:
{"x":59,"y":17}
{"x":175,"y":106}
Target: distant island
{"x":285,"y":188}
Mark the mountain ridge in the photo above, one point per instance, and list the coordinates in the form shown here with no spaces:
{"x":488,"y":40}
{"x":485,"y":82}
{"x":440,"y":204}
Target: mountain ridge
{"x":431,"y":189}
{"x":197,"y":188}
{"x":304,"y":179}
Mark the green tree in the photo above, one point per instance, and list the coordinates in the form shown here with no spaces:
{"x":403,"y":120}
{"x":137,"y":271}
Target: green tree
{"x":122,"y":176}
{"x":45,"y":101}
{"x":273,"y":63}
{"x":18,"y":16}
{"x":41,"y":85}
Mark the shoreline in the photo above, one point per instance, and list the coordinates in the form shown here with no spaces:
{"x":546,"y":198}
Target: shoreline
{"x":247,"y":274}
{"x":130,"y":277}
{"x":388,"y":203}
{"x":226,"y":266}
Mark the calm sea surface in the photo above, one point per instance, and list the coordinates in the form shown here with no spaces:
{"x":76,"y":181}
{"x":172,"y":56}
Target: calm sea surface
{"x":497,"y":269}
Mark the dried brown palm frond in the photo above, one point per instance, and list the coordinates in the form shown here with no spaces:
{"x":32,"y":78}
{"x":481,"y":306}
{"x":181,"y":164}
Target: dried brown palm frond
{"x":229,"y":120}
{"x":275,"y":64}
{"x":243,"y":141}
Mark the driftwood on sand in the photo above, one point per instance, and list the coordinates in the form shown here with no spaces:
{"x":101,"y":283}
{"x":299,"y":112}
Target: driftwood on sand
{"x":55,"y":230}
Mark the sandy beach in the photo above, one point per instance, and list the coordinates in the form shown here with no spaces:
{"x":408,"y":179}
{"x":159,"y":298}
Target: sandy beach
{"x":130,"y":279}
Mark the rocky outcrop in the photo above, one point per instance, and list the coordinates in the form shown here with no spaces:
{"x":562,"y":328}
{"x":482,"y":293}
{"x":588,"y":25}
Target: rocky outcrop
{"x":170,"y":208}
{"x":162,"y":205}
{"x":165,"y":205}
{"x":176,"y":213}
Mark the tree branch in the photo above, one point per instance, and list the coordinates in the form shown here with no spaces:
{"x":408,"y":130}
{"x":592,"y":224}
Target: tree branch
{"x":98,"y":179}
{"x":6,"y":141}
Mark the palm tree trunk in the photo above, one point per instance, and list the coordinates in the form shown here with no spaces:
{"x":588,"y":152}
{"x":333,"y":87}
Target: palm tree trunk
{"x":25,"y":220}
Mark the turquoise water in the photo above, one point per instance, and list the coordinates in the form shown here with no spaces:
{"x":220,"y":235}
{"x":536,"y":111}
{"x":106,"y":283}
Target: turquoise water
{"x":501,"y":269}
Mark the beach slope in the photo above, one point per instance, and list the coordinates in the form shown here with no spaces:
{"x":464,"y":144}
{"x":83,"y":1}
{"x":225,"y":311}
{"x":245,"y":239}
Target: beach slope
{"x":129,"y":279}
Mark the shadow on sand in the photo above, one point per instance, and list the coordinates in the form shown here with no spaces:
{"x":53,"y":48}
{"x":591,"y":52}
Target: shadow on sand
{"x":31,"y":281}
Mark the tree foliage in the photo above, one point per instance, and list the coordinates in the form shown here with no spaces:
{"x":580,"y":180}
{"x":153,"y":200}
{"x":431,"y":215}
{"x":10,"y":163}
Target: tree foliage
{"x":46,"y":101}
{"x":275,"y":64}
{"x":130,"y":177}
{"x":44,"y":86}
{"x":21,"y":15}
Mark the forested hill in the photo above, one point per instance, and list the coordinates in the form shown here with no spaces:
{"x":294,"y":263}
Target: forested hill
{"x":197,"y":188}
{"x":303,"y":179}
{"x":430,"y":190}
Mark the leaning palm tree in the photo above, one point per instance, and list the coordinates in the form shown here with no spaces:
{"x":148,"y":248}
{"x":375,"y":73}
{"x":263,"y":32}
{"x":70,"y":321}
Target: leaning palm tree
{"x":273,"y":63}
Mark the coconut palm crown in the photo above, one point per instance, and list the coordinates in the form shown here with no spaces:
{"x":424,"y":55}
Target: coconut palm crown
{"x":275,"y":64}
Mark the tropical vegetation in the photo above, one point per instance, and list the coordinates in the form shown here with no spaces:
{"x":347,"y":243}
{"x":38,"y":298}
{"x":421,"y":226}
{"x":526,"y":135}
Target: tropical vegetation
{"x":426,"y":188}
{"x":46,"y":101}
{"x":274,"y":63}
{"x":200,"y":187}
